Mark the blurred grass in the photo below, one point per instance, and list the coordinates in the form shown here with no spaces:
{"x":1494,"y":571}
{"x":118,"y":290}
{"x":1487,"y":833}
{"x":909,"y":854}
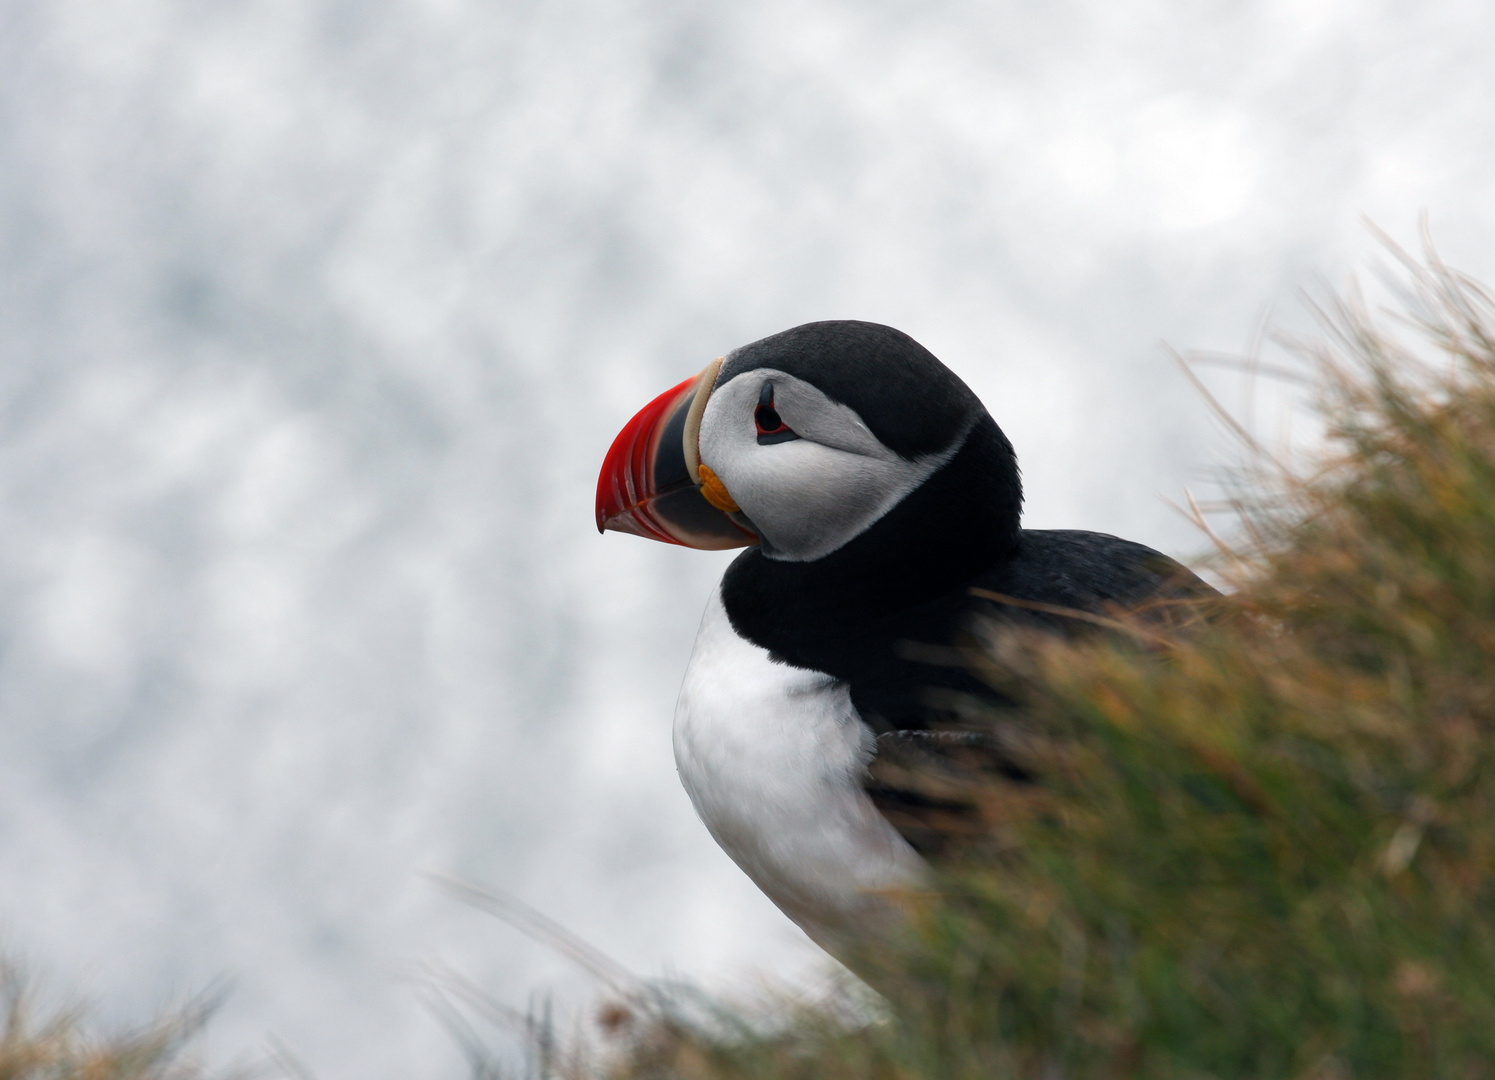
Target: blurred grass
{"x":1265,"y":848}
{"x":37,"y":1043}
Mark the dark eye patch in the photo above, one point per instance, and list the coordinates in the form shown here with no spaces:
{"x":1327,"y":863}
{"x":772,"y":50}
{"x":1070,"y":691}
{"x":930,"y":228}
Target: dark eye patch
{"x":771,"y":426}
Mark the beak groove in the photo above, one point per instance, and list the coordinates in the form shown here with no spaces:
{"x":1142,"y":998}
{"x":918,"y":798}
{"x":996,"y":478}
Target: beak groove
{"x":626,"y":486}
{"x":650,"y":484}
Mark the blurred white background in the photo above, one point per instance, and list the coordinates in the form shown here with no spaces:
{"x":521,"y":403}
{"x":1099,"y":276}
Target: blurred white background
{"x":317,"y":317}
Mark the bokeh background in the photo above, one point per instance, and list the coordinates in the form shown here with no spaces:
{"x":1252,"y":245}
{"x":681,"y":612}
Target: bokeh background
{"x":317,"y":317}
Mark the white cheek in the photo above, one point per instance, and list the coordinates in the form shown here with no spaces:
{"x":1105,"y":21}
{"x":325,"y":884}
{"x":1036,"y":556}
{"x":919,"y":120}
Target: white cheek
{"x":809,"y":499}
{"x":806,"y":499}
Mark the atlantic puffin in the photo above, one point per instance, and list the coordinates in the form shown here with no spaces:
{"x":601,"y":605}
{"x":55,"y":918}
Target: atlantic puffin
{"x":880,"y":507}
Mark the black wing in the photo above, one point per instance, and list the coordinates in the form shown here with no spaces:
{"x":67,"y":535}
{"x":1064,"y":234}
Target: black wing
{"x":1093,"y":573}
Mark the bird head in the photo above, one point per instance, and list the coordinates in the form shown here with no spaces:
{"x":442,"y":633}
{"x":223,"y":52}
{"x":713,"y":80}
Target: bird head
{"x":799,"y":442}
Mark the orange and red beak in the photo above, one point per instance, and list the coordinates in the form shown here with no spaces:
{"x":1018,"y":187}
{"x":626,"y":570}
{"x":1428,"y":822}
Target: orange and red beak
{"x":653,"y":483}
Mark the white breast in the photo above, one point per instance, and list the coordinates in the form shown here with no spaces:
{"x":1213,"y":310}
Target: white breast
{"x":773,"y":758}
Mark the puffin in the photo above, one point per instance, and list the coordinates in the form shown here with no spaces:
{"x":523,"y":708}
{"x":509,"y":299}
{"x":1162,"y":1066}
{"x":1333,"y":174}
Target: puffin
{"x":880,"y":508}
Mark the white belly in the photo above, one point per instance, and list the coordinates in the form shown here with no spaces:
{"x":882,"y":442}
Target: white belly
{"x":773,"y":757}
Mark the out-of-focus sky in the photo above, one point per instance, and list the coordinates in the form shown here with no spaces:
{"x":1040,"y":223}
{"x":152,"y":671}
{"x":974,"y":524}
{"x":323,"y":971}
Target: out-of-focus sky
{"x":316,"y":318}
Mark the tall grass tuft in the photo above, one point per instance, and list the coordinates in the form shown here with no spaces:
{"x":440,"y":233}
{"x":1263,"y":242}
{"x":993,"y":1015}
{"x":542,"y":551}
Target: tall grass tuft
{"x":42,"y":1044}
{"x":1262,"y":848}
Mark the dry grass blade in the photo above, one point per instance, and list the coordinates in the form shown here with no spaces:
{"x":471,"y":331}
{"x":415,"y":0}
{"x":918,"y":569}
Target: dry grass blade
{"x":542,"y":928}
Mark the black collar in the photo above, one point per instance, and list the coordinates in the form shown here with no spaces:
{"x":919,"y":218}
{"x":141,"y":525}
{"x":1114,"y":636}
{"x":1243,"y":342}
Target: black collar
{"x":959,"y":523}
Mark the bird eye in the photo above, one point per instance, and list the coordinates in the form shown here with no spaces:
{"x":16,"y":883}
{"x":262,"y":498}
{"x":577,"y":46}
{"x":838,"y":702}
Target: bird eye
{"x":771,"y":426}
{"x":769,"y":422}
